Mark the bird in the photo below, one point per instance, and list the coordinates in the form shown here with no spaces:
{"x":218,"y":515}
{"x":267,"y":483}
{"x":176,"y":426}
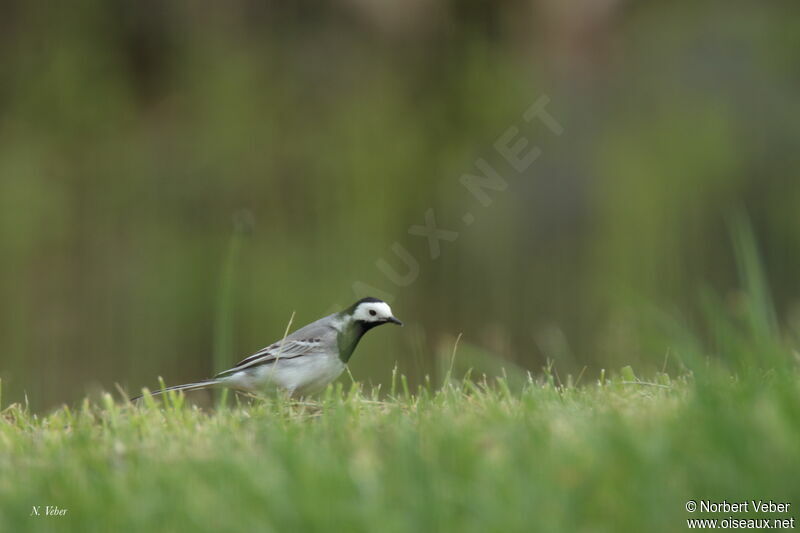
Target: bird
{"x":305,"y":361}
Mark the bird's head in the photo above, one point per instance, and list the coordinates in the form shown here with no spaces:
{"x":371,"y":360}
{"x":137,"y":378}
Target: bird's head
{"x":372,"y":312}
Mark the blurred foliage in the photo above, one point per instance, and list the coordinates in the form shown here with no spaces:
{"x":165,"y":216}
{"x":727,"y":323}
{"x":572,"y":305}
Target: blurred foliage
{"x":134,"y":134}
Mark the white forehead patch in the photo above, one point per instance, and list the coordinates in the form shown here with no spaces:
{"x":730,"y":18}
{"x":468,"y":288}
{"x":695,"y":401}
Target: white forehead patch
{"x":372,"y":311}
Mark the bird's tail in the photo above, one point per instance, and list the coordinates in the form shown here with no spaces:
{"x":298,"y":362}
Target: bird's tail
{"x":207,"y":384}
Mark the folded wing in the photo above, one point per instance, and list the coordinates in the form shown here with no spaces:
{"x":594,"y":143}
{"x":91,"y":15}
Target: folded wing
{"x":287,"y":349}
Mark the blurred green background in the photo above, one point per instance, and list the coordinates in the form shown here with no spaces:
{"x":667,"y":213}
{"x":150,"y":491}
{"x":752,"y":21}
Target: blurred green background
{"x":176,"y":178}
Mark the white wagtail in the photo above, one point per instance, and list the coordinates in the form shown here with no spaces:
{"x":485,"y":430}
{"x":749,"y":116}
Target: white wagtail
{"x":305,"y":361}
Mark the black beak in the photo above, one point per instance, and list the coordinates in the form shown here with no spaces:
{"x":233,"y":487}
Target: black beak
{"x":393,"y":320}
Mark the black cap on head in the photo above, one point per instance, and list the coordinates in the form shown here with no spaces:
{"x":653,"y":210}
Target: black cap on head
{"x":369,"y":300}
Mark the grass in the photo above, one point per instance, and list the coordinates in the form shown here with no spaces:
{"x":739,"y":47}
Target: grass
{"x":505,"y":455}
{"x":606,"y":456}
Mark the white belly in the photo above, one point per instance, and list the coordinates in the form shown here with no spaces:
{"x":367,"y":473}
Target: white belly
{"x":300,"y":376}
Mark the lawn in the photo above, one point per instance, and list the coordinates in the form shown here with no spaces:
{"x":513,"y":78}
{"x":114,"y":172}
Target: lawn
{"x":608,"y":454}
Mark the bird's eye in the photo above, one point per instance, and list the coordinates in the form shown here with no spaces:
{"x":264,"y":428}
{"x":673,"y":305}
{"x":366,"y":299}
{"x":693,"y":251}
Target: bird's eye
{"x":373,"y":312}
